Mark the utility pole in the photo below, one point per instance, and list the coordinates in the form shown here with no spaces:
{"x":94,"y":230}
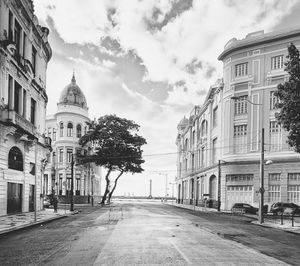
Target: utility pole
{"x":72,"y":184}
{"x":150,"y":195}
{"x":219,"y":185}
{"x":35,"y":180}
{"x":262,"y":189}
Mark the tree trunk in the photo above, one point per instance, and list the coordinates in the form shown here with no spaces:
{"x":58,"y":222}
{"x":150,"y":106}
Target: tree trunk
{"x":115,"y":185}
{"x":107,"y":187}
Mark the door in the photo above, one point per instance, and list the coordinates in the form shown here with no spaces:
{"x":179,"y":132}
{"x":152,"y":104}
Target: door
{"x":31,"y":198}
{"x":14,"y":198}
{"x":238,"y":194}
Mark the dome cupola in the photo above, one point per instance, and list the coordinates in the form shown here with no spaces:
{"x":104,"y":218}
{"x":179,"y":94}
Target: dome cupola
{"x":73,"y":95}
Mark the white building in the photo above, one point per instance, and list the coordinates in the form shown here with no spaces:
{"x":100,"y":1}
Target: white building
{"x":220,"y":144}
{"x":24,"y":55}
{"x":65,"y":128}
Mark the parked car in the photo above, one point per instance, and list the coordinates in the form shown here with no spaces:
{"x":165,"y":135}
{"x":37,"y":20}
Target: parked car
{"x":244,"y":208}
{"x":46,"y":202}
{"x":279,"y":208}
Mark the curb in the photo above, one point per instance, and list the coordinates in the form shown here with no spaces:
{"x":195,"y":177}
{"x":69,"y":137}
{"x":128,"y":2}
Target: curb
{"x":279,"y":228}
{"x":28,"y":225}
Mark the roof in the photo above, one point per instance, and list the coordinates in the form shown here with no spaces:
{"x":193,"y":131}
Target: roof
{"x":257,"y":38}
{"x":73,"y":95}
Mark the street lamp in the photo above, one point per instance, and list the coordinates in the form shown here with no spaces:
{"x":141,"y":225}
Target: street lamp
{"x":262,"y":155}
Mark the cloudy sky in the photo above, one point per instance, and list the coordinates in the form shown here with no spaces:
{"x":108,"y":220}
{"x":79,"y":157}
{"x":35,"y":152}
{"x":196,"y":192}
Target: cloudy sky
{"x":149,"y":61}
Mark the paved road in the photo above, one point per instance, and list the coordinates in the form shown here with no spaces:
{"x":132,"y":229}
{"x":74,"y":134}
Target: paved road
{"x":140,"y":233}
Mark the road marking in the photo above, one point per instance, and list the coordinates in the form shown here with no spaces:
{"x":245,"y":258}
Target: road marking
{"x":180,"y":252}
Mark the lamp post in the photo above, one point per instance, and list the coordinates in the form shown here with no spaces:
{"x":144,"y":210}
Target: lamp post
{"x":72,"y":184}
{"x":262,"y":155}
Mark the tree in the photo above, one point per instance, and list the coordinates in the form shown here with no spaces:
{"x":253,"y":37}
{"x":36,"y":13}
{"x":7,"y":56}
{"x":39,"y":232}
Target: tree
{"x":116,"y":146}
{"x":289,"y":99}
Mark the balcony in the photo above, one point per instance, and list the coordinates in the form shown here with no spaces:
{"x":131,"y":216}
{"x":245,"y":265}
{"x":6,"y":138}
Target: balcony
{"x":11,"y":116}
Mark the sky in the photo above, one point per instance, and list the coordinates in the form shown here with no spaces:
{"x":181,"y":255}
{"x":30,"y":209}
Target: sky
{"x":149,"y":61}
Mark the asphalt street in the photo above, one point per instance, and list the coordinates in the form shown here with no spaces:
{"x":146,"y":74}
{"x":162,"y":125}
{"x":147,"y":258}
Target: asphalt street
{"x":149,"y":233}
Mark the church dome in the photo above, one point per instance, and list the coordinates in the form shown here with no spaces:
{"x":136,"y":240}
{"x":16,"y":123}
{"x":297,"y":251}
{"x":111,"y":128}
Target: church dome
{"x":73,"y":95}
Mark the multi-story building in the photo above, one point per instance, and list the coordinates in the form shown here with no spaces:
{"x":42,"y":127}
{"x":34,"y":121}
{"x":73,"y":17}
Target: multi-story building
{"x":228,"y":144}
{"x":24,"y":55}
{"x":65,"y":128}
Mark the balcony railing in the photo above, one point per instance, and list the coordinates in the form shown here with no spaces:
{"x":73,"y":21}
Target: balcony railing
{"x":13,"y":117}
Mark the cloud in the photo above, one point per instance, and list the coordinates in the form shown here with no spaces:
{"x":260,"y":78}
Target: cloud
{"x":149,"y":61}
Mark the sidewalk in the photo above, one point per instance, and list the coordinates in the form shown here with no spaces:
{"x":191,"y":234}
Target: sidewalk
{"x":287,"y":226}
{"x":13,"y":222}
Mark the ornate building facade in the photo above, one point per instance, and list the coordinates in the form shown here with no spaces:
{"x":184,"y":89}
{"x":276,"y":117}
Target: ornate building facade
{"x":24,"y":55}
{"x":65,"y":128}
{"x":220,"y":144}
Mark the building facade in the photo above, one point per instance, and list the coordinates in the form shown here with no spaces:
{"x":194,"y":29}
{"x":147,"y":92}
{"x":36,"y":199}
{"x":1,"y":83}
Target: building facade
{"x":65,"y":128}
{"x":219,"y":159}
{"x":24,"y":55}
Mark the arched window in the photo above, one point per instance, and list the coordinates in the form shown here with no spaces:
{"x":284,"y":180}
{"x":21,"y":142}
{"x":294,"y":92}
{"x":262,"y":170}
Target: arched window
{"x":78,"y":128}
{"x":70,"y":130}
{"x":85,"y":129}
{"x":15,"y":159}
{"x":61,"y":129}
{"x":203,"y":129}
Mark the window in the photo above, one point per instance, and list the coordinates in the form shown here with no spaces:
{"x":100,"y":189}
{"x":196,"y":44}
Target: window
{"x":277,"y":62}
{"x":32,"y":111}
{"x":294,"y":176}
{"x":10,"y":26}
{"x":33,"y":59}
{"x":193,"y":137}
{"x":24,"y":44}
{"x":241,"y":70}
{"x":69,"y":155}
{"x":214,"y":155}
{"x":24,"y":103}
{"x":241,"y":105}
{"x":274,"y":177}
{"x":239,"y":178}
{"x":215,"y":117}
{"x":240,"y":138}
{"x":61,"y":155}
{"x":273,"y":100}
{"x":294,"y":193}
{"x":203,"y":131}
{"x":275,"y":136}
{"x":15,"y":159}
{"x":77,"y":185}
{"x":61,"y":129}
{"x":17,"y":97}
{"x":18,"y":36}
{"x":78,"y":128}
{"x":10,"y":91}
{"x":70,"y":130}
{"x":54,"y":134}
{"x":274,"y":193}
{"x":49,"y":132}
{"x":203,"y":157}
